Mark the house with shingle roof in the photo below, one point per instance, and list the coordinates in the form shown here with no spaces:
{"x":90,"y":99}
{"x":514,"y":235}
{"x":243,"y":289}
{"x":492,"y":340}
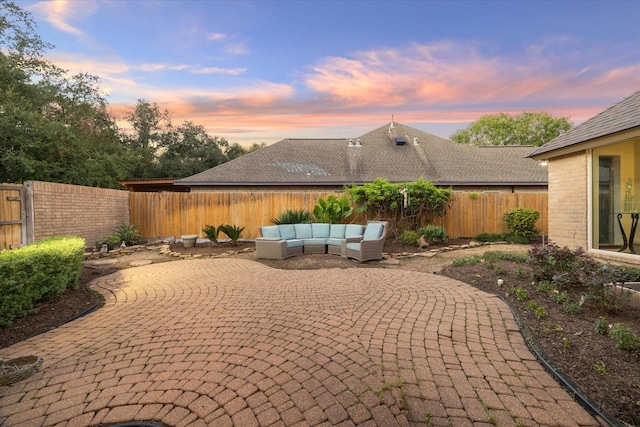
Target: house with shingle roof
{"x":594,"y":183}
{"x":395,"y":152}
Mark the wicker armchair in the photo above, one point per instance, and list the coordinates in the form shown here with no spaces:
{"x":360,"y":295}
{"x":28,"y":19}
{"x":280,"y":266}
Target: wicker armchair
{"x":369,"y":246}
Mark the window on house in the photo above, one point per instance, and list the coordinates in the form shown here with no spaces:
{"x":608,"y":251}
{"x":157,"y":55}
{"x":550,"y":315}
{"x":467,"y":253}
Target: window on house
{"x":616,"y":197}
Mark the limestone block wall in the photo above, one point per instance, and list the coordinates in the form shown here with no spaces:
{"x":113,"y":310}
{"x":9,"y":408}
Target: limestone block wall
{"x":568,"y":200}
{"x":88,"y":212}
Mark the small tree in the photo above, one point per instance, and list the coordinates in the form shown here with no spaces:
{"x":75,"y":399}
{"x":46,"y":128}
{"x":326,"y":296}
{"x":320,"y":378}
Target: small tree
{"x":405,"y":204}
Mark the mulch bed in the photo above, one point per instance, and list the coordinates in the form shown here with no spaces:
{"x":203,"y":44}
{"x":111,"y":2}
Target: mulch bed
{"x":607,"y":375}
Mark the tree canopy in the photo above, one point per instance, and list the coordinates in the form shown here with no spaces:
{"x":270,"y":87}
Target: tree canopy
{"x":502,"y":129}
{"x":56,"y":127}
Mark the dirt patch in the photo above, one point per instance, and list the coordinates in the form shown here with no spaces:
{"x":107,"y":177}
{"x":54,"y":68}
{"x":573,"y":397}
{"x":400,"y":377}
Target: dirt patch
{"x":607,"y":375}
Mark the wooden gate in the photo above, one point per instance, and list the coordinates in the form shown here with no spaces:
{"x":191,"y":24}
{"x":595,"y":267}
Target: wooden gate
{"x":12,"y":216}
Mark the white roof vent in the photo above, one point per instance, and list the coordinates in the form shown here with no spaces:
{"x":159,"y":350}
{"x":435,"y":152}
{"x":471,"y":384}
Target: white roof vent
{"x":415,"y":141}
{"x":351,"y":143}
{"x":358,"y":144}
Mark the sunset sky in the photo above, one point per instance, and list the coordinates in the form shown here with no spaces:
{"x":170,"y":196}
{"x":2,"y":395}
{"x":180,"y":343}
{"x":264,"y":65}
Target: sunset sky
{"x":261,"y":71}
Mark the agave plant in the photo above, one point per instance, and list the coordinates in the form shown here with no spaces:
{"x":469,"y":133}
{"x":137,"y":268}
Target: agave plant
{"x":233,"y":231}
{"x":128,"y":234}
{"x":293,"y":217}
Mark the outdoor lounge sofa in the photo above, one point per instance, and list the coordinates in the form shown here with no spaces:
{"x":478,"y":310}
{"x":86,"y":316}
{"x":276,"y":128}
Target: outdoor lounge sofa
{"x":287,"y":240}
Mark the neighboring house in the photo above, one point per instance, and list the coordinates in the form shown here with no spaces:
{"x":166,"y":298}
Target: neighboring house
{"x":594,"y":182}
{"x":395,"y":152}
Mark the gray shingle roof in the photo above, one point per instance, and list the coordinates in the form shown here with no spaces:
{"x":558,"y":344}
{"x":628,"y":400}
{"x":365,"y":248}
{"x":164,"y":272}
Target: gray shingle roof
{"x":334,"y":162}
{"x":622,"y":116}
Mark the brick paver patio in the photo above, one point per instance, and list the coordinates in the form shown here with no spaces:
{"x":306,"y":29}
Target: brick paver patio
{"x":231,"y":342}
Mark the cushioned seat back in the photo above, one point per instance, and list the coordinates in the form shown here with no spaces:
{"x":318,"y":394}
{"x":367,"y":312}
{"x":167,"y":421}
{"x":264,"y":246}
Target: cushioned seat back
{"x":287,"y":232}
{"x":353,"y":230}
{"x":303,"y":231}
{"x":373,"y":231}
{"x":337,"y":231}
{"x":320,"y":230}
{"x":270,"y":231}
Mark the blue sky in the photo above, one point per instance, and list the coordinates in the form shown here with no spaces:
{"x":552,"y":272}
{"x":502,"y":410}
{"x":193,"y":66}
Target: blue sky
{"x":261,"y":71}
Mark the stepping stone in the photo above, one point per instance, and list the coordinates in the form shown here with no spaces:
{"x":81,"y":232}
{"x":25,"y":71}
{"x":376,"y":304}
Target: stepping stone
{"x":104,"y":262}
{"x":140,"y":262}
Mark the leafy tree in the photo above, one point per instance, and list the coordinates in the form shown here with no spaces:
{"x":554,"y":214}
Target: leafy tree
{"x":234,"y":151}
{"x":53,"y":127}
{"x":502,"y":129}
{"x":149,"y":125}
{"x":188,"y":150}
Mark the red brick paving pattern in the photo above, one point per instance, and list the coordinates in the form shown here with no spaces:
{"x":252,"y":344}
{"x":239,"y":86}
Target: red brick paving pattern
{"x":230,"y":342}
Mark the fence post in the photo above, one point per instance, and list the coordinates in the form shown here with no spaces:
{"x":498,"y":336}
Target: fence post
{"x":28,"y":222}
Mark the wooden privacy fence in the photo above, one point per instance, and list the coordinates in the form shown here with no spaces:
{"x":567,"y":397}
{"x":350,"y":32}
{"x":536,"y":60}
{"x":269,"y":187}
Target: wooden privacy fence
{"x":159,"y":215}
{"x":471,"y":214}
{"x":12,"y":216}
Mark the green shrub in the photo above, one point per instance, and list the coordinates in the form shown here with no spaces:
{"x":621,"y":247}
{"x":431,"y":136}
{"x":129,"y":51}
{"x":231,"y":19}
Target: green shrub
{"x":410,"y":237}
{"x":233,"y":231}
{"x":566,"y":269}
{"x":602,"y":327}
{"x":112,"y":242}
{"x":293,"y":217}
{"x":559,"y":297}
{"x":503,"y":237}
{"x":38,"y":272}
{"x":506,"y":256}
{"x":490,"y":237}
{"x":522,"y":294}
{"x":211,"y":232}
{"x":572,"y":308}
{"x":624,"y":337}
{"x":434,"y":234}
{"x":128,"y":234}
{"x":521,"y":222}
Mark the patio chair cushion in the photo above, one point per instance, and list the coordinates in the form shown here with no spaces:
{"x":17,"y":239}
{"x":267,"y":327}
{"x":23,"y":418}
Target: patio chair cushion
{"x":271,"y":231}
{"x":303,"y":231}
{"x":353,"y":246}
{"x":287,"y":231}
{"x":337,"y":231}
{"x":320,"y":230}
{"x":334,"y":241}
{"x":353,"y":230}
{"x":294,"y":243}
{"x":314,"y":241}
{"x":373,"y":231}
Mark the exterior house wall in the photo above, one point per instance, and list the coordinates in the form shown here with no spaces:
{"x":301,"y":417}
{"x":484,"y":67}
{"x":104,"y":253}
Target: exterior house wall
{"x":87,"y":212}
{"x":568,"y":200}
